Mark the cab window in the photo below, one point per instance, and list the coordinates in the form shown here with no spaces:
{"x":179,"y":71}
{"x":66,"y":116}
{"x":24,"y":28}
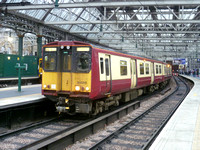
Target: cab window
{"x":82,"y":59}
{"x":50,"y":61}
{"x":83,"y":62}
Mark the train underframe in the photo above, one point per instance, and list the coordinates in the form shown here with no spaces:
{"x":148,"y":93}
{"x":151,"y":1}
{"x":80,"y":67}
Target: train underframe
{"x":93,"y":107}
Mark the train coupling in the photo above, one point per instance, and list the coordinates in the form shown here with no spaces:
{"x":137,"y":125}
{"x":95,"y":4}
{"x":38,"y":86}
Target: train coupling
{"x":62,"y":109}
{"x":69,"y":106}
{"x":62,"y":105}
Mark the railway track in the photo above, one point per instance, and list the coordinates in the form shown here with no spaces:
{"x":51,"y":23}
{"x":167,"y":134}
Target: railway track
{"x":20,"y":139}
{"x":52,"y":135}
{"x":140,"y":132}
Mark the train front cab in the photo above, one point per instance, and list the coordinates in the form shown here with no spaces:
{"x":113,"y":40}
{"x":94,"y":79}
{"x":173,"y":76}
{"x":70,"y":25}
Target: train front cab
{"x":67,"y":75}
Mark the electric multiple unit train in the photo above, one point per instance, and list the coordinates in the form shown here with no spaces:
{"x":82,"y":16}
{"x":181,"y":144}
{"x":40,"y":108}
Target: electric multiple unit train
{"x":85,"y":79}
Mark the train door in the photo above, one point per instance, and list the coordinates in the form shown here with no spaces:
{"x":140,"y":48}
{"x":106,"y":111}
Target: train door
{"x":152,"y":73}
{"x":66,"y":66}
{"x":108,"y":74}
{"x":133,"y":74}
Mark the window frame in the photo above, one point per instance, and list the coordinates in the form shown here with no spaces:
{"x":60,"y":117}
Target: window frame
{"x":142,"y":63}
{"x":160,"y":69}
{"x":107,"y":67}
{"x":101,"y":60}
{"x":51,"y":53}
{"x":147,"y":68}
{"x":123,"y":68}
{"x":157,"y":69}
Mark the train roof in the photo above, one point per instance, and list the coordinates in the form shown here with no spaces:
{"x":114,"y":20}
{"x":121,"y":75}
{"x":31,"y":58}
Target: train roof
{"x":68,"y":43}
{"x":74,"y":43}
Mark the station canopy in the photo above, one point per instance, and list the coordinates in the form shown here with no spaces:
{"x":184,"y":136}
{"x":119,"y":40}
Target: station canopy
{"x":164,"y":29}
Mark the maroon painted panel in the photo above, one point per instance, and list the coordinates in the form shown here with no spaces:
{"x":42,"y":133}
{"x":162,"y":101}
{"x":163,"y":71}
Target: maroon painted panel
{"x":158,"y":79}
{"x":95,"y":83}
{"x":145,"y":81}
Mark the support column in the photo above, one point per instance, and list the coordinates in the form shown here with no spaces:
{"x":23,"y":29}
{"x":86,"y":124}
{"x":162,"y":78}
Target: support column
{"x":20,"y":45}
{"x":39,"y":46}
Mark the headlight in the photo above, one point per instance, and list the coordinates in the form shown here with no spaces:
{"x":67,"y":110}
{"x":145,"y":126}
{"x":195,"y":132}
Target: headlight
{"x":45,"y":86}
{"x":87,"y":88}
{"x":77,"y":88}
{"x":53,"y":86}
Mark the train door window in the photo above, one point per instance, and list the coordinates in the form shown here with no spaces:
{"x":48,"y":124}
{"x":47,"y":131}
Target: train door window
{"x":131,"y":67}
{"x":102,"y":65}
{"x":134,"y":68}
{"x":152,"y":72}
{"x":160,"y":69}
{"x":156,"y":69}
{"x":123,"y":67}
{"x":107,"y":66}
{"x":147,"y":68}
{"x":67,"y":59}
{"x":141,"y":68}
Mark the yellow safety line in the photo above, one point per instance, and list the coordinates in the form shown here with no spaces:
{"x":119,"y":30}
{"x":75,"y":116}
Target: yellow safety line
{"x":196,"y":140}
{"x":16,"y":97}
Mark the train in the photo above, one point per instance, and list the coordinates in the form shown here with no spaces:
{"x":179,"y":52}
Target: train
{"x":84,"y":79}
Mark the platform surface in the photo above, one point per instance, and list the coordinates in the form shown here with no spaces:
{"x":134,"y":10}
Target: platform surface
{"x":16,"y":78}
{"x":10,"y":96}
{"x":182,"y":132}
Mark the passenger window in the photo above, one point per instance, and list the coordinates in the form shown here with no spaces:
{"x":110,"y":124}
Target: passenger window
{"x":160,"y":69}
{"x":141,"y":68}
{"x":107,"y":67}
{"x":156,"y":69}
{"x":123,"y":67}
{"x":102,"y":65}
{"x":147,"y":68}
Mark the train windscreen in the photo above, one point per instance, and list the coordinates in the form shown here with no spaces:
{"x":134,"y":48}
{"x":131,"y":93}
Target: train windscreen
{"x":83,"y":59}
{"x":50,"y":59}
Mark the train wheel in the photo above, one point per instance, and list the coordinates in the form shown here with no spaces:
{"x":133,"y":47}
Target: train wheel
{"x":151,"y":89}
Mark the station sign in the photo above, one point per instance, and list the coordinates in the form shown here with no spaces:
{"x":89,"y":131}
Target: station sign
{"x":178,"y":61}
{"x":197,"y":59}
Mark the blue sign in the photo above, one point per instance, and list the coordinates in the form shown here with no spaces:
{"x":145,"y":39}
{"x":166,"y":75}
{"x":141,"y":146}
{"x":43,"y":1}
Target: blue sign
{"x":197,"y":59}
{"x":179,"y":61}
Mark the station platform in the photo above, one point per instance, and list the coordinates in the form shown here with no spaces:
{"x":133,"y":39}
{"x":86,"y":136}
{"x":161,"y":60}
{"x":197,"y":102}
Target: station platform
{"x":16,"y":78}
{"x":182,"y":132}
{"x":10,"y":96}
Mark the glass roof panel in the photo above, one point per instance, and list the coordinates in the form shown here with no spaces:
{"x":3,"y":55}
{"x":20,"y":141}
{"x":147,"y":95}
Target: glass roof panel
{"x":38,"y":14}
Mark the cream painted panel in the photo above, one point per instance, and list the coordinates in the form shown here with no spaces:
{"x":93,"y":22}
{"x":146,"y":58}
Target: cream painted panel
{"x":138,"y":68}
{"x":115,"y":67}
